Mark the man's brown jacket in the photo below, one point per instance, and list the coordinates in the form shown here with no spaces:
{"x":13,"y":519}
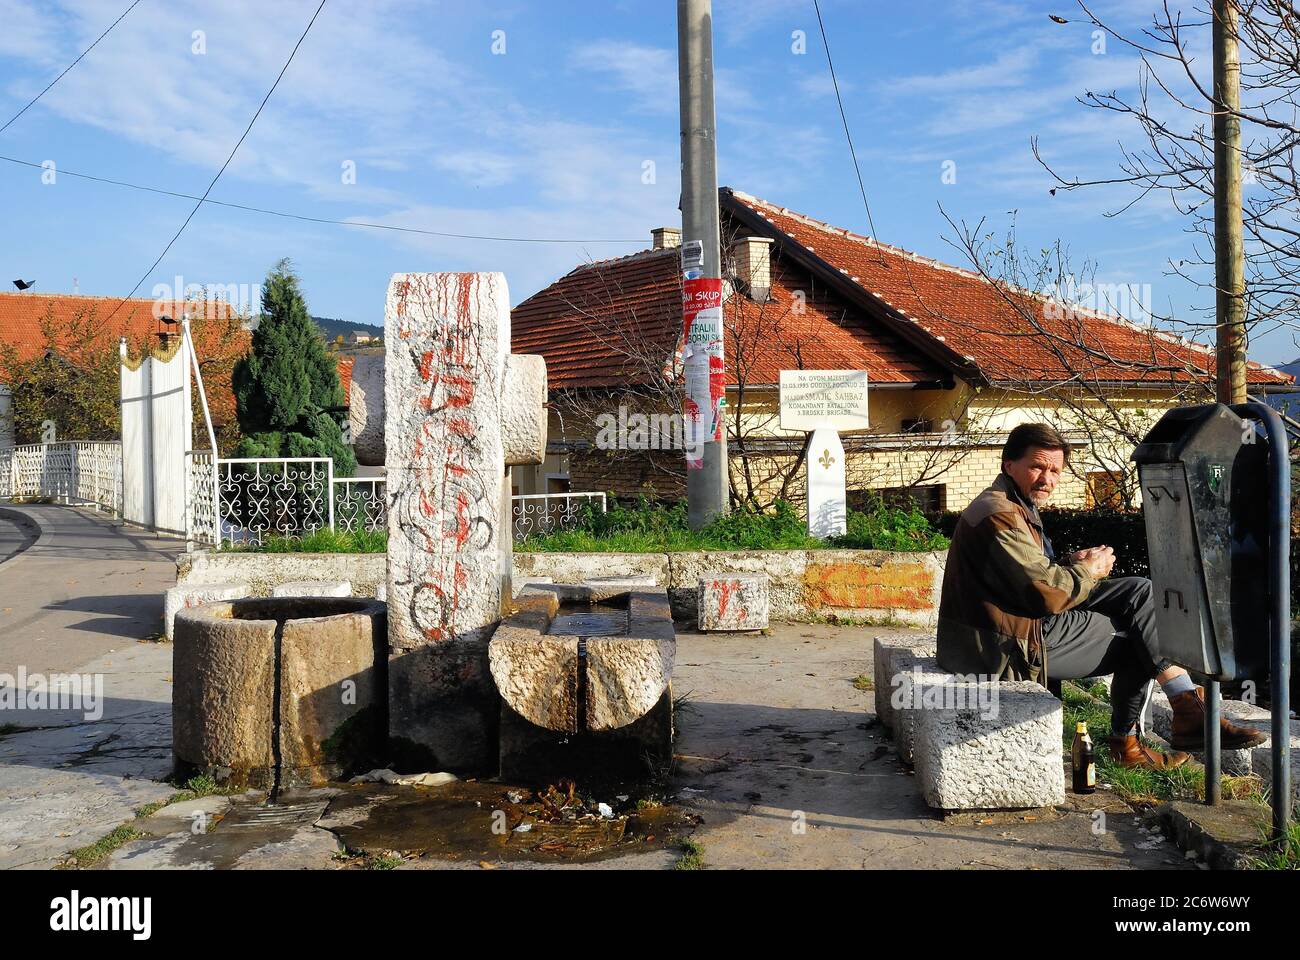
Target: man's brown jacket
{"x":998,"y":585}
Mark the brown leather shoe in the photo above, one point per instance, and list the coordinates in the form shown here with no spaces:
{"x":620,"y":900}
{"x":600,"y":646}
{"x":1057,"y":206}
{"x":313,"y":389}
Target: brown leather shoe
{"x":1132,"y":752}
{"x":1189,"y":725}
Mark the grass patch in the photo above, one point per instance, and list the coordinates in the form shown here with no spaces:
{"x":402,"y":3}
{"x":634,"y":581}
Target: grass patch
{"x":1284,"y":855}
{"x":647,"y":527}
{"x":384,"y":861}
{"x":864,"y":683}
{"x":1137,"y":785}
{"x":692,"y":857}
{"x":91,"y":854}
{"x":321,"y":541}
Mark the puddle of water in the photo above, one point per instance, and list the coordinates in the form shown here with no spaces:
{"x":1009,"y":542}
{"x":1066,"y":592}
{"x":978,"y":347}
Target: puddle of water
{"x":477,"y":821}
{"x":589,"y":620}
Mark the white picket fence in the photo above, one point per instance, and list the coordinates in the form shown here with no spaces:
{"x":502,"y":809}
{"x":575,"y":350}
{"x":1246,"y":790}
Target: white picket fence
{"x":87,"y":472}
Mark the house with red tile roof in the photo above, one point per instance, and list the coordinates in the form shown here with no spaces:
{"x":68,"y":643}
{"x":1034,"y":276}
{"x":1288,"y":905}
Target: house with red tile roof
{"x":954,"y":360}
{"x":219,"y":337}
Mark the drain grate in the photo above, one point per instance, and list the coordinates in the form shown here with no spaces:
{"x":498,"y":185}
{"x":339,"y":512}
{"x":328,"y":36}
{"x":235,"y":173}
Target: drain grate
{"x":274,"y":815}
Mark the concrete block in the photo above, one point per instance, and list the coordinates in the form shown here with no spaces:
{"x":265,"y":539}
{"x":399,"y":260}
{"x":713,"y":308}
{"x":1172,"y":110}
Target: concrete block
{"x":989,"y":746}
{"x":913,"y":675}
{"x":313,"y":588}
{"x":184,"y":596}
{"x":733,"y":601}
{"x":886,"y":650}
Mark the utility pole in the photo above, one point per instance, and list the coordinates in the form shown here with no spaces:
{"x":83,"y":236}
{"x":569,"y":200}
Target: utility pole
{"x":1229,"y":284}
{"x":1229,"y":252}
{"x":707,"y":480}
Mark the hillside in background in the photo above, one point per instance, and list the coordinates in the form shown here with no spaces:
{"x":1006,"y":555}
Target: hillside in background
{"x":331,"y":328}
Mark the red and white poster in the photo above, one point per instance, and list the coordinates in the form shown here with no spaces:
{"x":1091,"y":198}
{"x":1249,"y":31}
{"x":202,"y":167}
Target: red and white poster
{"x":702,"y":362}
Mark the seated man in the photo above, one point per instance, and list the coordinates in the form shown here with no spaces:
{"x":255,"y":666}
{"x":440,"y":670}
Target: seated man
{"x":1009,"y":610}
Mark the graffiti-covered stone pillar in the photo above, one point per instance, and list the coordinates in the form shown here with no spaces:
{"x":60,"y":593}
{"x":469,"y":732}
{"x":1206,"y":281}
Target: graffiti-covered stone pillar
{"x":459,"y":411}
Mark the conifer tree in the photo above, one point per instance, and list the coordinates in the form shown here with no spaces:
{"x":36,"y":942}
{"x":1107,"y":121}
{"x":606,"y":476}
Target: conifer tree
{"x":287,"y":383}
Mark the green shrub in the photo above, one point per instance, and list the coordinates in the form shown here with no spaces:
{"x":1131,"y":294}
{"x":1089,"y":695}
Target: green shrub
{"x":648,"y":527}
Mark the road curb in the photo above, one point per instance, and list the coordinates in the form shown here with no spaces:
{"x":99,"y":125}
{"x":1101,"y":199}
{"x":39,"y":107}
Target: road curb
{"x":28,"y":522}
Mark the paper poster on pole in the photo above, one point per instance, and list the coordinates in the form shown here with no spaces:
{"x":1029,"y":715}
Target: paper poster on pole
{"x":702,"y":360}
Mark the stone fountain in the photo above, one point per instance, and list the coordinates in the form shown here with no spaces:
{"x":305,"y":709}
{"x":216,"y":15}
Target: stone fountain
{"x":577,"y":671}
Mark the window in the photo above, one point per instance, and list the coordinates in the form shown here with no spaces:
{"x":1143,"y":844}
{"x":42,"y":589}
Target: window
{"x":1105,"y":490}
{"x":916,"y":425}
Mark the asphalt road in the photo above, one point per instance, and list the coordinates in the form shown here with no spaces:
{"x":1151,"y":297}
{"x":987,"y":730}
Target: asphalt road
{"x":89,"y":586}
{"x":14,"y":537}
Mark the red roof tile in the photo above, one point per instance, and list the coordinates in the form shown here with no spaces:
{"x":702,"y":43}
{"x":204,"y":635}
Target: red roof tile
{"x":21,"y":315}
{"x":616,"y":321}
{"x":868,"y":305}
{"x":986,"y":325}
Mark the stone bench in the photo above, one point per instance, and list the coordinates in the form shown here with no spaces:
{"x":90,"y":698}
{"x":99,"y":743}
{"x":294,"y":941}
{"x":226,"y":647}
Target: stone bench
{"x":192,"y":595}
{"x":975,"y":745}
{"x":313,"y":588}
{"x":733,"y":601}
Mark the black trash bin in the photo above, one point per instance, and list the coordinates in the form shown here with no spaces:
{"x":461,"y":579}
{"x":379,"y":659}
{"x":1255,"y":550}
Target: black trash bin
{"x":1204,"y":475}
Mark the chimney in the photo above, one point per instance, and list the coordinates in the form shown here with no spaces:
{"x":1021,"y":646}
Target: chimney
{"x":753,"y":256}
{"x":663,"y":238}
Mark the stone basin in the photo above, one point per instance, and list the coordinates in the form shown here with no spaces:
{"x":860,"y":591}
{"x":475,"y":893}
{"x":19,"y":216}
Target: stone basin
{"x":274,"y":692}
{"x":584,"y":667}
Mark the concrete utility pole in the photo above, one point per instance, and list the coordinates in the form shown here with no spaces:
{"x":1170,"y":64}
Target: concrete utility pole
{"x":707,"y":486}
{"x":1229,"y":252}
{"x":1229,"y":282}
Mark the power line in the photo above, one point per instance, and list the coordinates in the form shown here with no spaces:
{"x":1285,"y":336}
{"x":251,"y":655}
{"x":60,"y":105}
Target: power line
{"x":845,"y":121}
{"x":69,"y":66}
{"x":308,"y":219}
{"x":234,"y":150}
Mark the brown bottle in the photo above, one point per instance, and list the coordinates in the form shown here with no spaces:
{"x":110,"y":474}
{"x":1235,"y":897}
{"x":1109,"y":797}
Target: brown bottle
{"x":1083,"y":760}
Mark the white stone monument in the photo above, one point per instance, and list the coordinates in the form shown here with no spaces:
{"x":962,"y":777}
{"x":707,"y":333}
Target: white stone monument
{"x":827,"y":506}
{"x":826,"y":402}
{"x":459,"y":411}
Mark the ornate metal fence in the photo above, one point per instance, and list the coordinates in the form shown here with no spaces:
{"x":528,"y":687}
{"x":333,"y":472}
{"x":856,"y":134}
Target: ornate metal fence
{"x":543,"y":512}
{"x":245,"y":501}
{"x":242,"y":502}
{"x":83,"y":472}
{"x":360,"y":503}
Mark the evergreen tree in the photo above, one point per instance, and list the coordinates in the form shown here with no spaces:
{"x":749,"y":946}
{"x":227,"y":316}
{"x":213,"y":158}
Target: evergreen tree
{"x":284,"y":387}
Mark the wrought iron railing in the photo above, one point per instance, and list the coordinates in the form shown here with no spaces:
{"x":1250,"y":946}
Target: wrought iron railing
{"x":360,"y":503}
{"x":535,"y":513}
{"x":76,"y":471}
{"x":244,"y":501}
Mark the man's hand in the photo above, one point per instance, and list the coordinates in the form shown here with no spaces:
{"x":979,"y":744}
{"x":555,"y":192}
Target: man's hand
{"x":1098,"y":561}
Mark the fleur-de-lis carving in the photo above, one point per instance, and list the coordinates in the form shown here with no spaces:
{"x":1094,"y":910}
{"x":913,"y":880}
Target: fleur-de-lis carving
{"x":826,"y":459}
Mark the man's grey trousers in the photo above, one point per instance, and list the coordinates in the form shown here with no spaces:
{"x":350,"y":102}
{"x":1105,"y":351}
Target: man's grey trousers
{"x":1112,"y":632}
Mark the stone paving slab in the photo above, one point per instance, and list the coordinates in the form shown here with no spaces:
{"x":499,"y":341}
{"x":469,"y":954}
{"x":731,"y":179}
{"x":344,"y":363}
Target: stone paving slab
{"x":68,"y":781}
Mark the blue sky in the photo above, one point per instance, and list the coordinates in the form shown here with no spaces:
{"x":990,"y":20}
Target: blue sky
{"x":551,"y":138}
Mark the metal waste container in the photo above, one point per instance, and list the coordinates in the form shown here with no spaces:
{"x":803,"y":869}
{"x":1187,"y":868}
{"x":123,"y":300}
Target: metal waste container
{"x":1204,"y":476}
